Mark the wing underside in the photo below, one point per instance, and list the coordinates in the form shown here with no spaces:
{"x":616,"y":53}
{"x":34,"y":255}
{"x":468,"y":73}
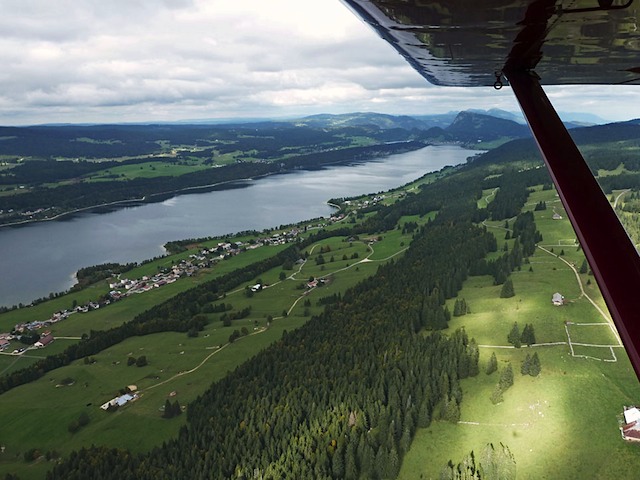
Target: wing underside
{"x":465,"y":42}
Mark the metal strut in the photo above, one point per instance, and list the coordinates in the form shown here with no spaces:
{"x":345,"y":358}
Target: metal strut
{"x":611,"y":254}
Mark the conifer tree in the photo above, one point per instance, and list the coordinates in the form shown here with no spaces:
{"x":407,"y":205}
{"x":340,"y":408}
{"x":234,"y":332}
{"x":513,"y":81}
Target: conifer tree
{"x":168,"y":410}
{"x":492,"y":366}
{"x":506,"y":377}
{"x":474,"y":358}
{"x":528,"y":336}
{"x":497,"y":462}
{"x":460,"y":307}
{"x":534,"y":368}
{"x":507,"y":289}
{"x":394,"y":463}
{"x":584,"y":268}
{"x":337,"y":464}
{"x":514,"y":337}
{"x":424,"y":415}
{"x":496,"y":395}
{"x":451,"y":411}
{"x":456,"y":308}
{"x":526,"y":365}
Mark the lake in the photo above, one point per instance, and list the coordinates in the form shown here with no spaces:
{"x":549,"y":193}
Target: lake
{"x":43,"y":257}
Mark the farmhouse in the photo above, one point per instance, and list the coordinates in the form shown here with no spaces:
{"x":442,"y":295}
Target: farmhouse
{"x":119,"y":401}
{"x":45,"y":340}
{"x":631,"y":428}
{"x":3,"y":344}
{"x":557,"y":299}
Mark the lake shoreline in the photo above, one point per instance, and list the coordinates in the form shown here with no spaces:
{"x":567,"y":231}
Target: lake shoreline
{"x":161,"y":196}
{"x":43,"y":255}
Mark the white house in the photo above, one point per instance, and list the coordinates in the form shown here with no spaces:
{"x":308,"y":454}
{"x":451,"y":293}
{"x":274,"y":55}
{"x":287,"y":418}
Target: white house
{"x":119,"y":401}
{"x":631,"y":415}
{"x":557,"y":299}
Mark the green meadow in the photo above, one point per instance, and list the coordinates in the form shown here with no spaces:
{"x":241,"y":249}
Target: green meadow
{"x":565,"y":422}
{"x":147,"y":170}
{"x":37,"y":415}
{"x":561,"y":424}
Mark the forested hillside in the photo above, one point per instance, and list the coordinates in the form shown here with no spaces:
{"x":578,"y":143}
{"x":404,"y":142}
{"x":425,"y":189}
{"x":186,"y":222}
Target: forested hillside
{"x":342,"y":396}
{"x":46,"y":171}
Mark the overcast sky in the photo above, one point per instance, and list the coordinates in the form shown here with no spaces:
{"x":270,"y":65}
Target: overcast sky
{"x":160,"y":60}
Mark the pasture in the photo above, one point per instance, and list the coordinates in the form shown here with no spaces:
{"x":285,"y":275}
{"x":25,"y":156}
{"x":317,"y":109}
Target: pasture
{"x":563,"y":423}
{"x":37,"y":415}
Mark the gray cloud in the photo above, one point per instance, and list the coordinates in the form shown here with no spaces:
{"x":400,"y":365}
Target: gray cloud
{"x":146,"y":60}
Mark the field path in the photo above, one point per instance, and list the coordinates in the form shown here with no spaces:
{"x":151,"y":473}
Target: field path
{"x":585,"y":295}
{"x":619,"y":196}
{"x":206,"y":359}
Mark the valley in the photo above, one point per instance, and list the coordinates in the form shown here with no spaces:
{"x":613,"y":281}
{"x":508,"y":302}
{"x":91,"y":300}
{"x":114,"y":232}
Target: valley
{"x":346,"y":352}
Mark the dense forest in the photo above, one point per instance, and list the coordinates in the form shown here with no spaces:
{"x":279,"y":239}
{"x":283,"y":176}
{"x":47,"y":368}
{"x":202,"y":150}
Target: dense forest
{"x":342,"y":396}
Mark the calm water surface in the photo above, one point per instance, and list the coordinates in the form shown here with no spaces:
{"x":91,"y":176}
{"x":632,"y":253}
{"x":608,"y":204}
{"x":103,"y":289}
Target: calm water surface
{"x":40,"y":258}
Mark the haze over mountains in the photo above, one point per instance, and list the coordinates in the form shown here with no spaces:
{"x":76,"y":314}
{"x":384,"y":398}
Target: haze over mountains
{"x":467,"y":127}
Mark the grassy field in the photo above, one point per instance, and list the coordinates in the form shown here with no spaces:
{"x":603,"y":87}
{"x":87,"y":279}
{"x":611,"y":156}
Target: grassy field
{"x":149,"y":169}
{"x":563,"y":423}
{"x":37,"y":415}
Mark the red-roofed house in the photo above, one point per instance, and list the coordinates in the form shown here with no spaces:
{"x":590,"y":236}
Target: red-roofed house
{"x":45,"y":340}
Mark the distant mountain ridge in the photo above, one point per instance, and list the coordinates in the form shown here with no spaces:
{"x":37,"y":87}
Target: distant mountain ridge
{"x":441,"y":121}
{"x":475,"y":127}
{"x":468,"y":127}
{"x":358,"y":119}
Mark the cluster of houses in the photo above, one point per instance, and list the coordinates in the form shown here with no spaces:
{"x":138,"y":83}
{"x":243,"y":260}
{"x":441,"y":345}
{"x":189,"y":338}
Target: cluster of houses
{"x":27,"y":214}
{"x":21,"y":328}
{"x":5,"y":341}
{"x":205,"y":258}
{"x":365,"y":203}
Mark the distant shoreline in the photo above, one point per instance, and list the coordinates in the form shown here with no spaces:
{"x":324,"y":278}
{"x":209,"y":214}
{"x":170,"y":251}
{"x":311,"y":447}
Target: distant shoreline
{"x":203,"y":188}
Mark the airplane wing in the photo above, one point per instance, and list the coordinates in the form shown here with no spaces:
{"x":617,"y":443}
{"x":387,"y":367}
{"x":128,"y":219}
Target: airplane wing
{"x":524,"y":44}
{"x":464,"y":43}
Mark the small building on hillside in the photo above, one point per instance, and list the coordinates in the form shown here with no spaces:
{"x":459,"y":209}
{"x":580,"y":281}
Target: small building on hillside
{"x":556,"y":216}
{"x":45,"y":340}
{"x":631,"y":429}
{"x":119,"y":401}
{"x":557,"y":299}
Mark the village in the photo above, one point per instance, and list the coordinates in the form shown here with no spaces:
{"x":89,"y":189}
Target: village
{"x":122,"y":287}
